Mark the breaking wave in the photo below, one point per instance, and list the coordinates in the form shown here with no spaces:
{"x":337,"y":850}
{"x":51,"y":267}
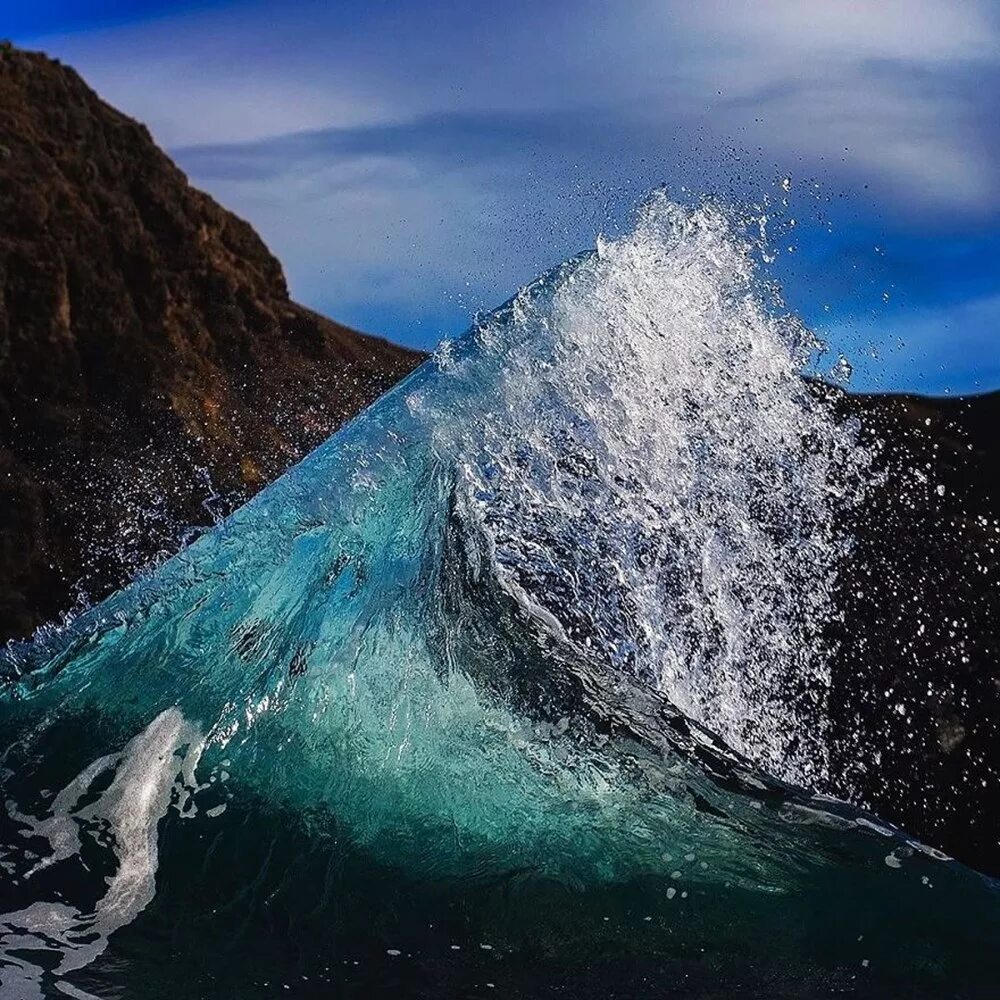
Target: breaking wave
{"x":519,"y":679}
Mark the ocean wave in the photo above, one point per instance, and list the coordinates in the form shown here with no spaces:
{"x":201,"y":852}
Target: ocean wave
{"x":528,"y":661}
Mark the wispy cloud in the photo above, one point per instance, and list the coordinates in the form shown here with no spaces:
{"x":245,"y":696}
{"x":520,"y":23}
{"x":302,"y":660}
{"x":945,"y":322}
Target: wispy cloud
{"x":429,"y":157}
{"x":883,"y":88}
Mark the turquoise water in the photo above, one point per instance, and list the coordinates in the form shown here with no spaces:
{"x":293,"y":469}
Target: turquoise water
{"x":513,"y":687}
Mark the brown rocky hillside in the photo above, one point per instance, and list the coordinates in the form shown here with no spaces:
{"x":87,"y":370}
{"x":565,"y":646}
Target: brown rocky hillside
{"x":153,"y":370}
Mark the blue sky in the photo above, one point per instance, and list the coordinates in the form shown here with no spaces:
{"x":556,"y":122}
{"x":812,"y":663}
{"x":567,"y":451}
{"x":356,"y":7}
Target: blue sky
{"x":412,"y":162}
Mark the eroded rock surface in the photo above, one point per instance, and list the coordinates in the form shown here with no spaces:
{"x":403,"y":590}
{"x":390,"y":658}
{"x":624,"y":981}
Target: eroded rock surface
{"x":154,"y":372}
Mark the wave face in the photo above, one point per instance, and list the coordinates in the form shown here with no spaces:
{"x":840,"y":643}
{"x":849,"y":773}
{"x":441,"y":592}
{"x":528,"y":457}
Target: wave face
{"x":517,"y":682}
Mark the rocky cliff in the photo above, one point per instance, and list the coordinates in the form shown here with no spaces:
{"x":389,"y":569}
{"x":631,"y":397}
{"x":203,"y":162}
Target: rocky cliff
{"x":153,"y":370}
{"x":915,"y":689}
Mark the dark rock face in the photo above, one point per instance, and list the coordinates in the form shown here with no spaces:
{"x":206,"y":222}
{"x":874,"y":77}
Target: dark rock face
{"x":153,"y":371}
{"x":915,"y":698}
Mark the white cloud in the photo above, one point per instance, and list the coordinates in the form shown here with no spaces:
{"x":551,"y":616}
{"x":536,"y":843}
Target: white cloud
{"x":922,"y":31}
{"x":889,"y":92}
{"x":890,"y":80}
{"x":220,"y":76}
{"x":893,"y":95}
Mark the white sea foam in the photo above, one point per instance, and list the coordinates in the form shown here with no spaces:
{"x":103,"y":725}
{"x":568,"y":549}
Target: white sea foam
{"x":127,"y":812}
{"x":652,"y":471}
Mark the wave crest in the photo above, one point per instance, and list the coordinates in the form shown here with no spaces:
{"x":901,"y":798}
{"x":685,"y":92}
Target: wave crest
{"x":654,"y":472}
